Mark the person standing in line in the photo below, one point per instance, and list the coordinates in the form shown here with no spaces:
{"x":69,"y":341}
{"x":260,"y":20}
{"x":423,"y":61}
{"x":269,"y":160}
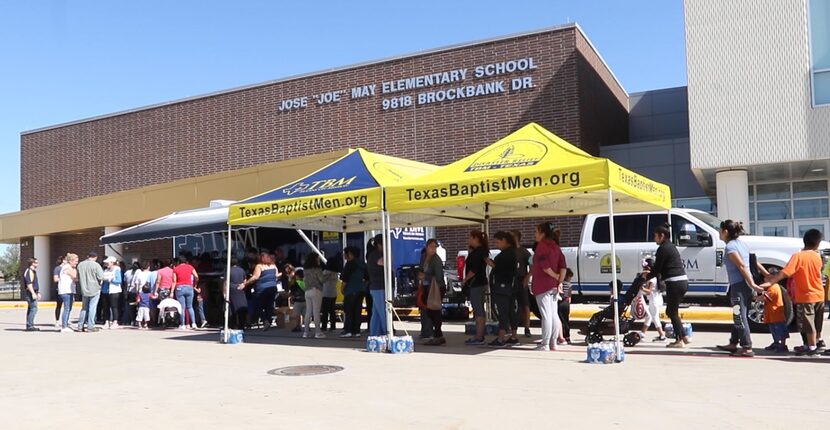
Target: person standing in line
{"x":668,"y":268}
{"x":56,"y":274}
{"x":520,"y":289}
{"x":200,"y":292}
{"x":152,"y":282}
{"x":329,"y":304}
{"x":238,"y":300}
{"x":90,"y":276}
{"x":421,"y":295}
{"x":354,"y":288}
{"x":142,"y":301}
{"x":564,"y":308}
{"x":375,"y":268}
{"x":503,"y":275}
{"x":112,"y":284}
{"x":184,"y":277}
{"x":434,"y":272}
{"x":67,"y":279}
{"x":742,"y":288}
{"x":31,"y":293}
{"x":264,"y":280}
{"x":804,"y":268}
{"x":314,"y":279}
{"x":548,"y":271}
{"x":297,"y":300}
{"x":475,"y":277}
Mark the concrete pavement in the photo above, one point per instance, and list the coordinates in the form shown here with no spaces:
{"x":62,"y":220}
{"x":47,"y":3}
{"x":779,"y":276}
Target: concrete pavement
{"x":131,"y":379}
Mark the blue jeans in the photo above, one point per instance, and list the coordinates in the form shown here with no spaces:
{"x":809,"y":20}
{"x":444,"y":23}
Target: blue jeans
{"x":378,"y":324}
{"x":66,"y":300}
{"x":89,"y":306}
{"x":184,"y":294}
{"x":31,"y":310}
{"x":779,"y":332}
{"x":740,"y":296}
{"x":200,"y":309}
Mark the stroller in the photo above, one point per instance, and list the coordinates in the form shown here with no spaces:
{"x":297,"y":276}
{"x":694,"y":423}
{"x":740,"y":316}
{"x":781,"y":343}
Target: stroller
{"x":169,"y":313}
{"x":598,"y":324}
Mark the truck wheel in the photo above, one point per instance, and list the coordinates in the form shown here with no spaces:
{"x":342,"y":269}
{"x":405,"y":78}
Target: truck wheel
{"x":755,"y":316}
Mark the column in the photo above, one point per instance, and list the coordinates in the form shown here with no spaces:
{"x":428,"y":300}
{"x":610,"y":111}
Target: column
{"x":42,"y":252}
{"x":733,"y":195}
{"x":116,"y":250}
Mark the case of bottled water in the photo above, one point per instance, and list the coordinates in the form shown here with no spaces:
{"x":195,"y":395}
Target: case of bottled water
{"x":234,"y":336}
{"x":377,"y":344}
{"x":604,"y":353}
{"x":687,"y":328}
{"x":401,"y":345}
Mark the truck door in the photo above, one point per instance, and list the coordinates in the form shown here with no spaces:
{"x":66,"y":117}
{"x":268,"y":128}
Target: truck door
{"x":697,"y":249}
{"x":595,"y":252}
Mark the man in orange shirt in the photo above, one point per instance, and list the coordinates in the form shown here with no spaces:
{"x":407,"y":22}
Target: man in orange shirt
{"x":805,"y":269}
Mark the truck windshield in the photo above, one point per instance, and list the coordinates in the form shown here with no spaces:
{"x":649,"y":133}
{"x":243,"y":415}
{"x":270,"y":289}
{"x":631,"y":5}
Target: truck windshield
{"x":710,"y":220}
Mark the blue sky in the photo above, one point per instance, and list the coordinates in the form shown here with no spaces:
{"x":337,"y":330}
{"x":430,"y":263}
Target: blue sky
{"x":68,"y":60}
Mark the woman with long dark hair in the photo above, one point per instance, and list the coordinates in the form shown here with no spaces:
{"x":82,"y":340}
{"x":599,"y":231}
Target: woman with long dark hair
{"x":741,"y":288}
{"x":475,"y":278}
{"x":374,"y":267}
{"x":668,"y":268}
{"x":503,"y":276}
{"x":434,"y":272}
{"x":548,"y":271}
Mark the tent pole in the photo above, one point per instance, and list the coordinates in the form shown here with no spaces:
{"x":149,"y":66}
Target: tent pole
{"x":614,"y":290}
{"x":488,"y":300}
{"x":387,"y":274}
{"x":228,"y":281}
{"x":311,"y":245}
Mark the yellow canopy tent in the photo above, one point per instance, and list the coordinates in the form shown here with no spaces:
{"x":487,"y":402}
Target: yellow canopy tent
{"x":345,"y":196}
{"x":530,"y":173}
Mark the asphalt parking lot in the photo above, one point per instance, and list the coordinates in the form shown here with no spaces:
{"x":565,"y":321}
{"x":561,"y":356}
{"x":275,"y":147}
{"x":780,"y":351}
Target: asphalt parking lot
{"x":131,"y":379}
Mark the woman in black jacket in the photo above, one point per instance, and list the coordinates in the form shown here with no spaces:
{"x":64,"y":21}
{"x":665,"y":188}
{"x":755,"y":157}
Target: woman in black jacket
{"x":668,"y":268}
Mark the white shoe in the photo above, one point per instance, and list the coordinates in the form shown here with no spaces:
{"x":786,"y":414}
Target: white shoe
{"x":204,"y":324}
{"x":67,"y":330}
{"x":344,"y":335}
{"x":181,"y":327}
{"x":541,"y":348}
{"x":58,"y":325}
{"x":305,"y":335}
{"x":114,"y":325}
{"x":193,"y":326}
{"x":319,"y":335}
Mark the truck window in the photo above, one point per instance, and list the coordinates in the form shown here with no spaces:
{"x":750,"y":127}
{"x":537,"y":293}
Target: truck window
{"x":681,"y":229}
{"x":627,"y":229}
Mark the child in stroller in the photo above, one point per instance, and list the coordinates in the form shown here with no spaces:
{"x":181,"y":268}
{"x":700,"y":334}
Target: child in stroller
{"x":598,"y":326}
{"x":169,"y":313}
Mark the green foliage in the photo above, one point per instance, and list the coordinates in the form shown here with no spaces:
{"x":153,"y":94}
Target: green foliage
{"x":10,"y":262}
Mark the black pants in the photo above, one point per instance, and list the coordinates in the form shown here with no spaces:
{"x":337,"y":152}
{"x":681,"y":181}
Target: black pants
{"x":240,"y":318}
{"x":564,"y":312}
{"x":327,"y":312}
{"x":114,"y":301}
{"x":264,"y":305}
{"x":58,"y":306}
{"x":437,"y":318}
{"x":505,"y":311}
{"x":674,"y":295}
{"x":352,"y":307}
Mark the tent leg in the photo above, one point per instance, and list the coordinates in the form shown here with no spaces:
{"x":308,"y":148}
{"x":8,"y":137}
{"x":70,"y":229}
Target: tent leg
{"x":488,"y":300}
{"x":228,"y":282}
{"x":614,"y":290}
{"x":387,"y":269}
{"x":314,"y":248}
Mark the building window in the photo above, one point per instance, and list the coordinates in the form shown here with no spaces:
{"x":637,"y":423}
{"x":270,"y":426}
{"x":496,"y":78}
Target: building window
{"x":820,"y":47}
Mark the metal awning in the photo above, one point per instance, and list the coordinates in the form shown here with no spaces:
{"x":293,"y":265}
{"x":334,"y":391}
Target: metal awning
{"x":213,"y":219}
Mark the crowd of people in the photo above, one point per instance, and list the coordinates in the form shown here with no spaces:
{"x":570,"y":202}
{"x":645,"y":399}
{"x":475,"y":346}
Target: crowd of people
{"x":112,"y":295}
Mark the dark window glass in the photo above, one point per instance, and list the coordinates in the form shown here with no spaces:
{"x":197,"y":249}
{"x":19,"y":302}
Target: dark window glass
{"x":627,"y":229}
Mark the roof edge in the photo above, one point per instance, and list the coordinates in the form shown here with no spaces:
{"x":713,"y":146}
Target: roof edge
{"x":319,"y":73}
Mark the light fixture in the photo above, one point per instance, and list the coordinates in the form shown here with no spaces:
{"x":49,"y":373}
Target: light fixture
{"x":819,"y":170}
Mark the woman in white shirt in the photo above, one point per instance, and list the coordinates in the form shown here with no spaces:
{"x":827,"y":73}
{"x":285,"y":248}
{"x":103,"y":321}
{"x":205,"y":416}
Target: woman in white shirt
{"x":66,"y":288}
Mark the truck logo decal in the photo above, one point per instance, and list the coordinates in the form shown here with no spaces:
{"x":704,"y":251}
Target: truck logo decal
{"x":605,"y":264}
{"x":691,"y":265}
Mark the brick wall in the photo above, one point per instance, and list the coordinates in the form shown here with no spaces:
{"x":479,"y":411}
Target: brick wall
{"x":573,"y":96}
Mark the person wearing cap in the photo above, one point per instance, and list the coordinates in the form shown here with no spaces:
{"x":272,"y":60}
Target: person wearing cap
{"x":90,"y":277}
{"x":112,"y":285}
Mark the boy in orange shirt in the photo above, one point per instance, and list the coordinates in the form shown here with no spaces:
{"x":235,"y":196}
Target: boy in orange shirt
{"x":804,"y":268}
{"x":775,"y":318}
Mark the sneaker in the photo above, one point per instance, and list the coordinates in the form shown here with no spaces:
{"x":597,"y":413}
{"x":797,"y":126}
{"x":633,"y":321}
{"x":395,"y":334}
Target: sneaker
{"x":474,"y":341}
{"x":496,"y":343}
{"x":679,"y":344}
{"x":743,"y":352}
{"x":808,"y":352}
{"x":728,"y":348}
{"x":94,"y":329}
{"x":305,"y":335}
{"x":541,"y":347}
{"x":356,"y":335}
{"x":527,"y":332}
{"x":32,"y":329}
{"x":181,"y":327}
{"x":433,"y":341}
{"x":114,"y":325}
{"x":193,"y":326}
{"x":320,"y":335}
{"x":659,"y":339}
{"x":772,"y":347}
{"x":820,"y":344}
{"x":204,"y":324}
{"x":512,"y":342}
{"x":67,"y":330}
{"x":346,"y":335}
{"x":58,"y":325}
{"x":561,"y":342}
{"x":782,"y":349}
{"x":800,"y":348}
